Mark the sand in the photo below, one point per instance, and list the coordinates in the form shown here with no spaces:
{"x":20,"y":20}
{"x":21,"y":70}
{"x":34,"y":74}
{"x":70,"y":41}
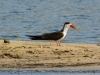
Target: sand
{"x":32,"y":55}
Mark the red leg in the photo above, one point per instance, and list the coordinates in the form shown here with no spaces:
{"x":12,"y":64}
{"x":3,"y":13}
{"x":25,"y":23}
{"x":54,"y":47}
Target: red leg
{"x":58,"y":43}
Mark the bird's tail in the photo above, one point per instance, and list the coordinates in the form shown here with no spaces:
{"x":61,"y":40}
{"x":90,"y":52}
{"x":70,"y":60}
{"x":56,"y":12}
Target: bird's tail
{"x":35,"y":37}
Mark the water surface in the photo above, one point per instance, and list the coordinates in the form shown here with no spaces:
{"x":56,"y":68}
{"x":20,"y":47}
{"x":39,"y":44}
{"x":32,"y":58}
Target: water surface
{"x":51,"y":72}
{"x":23,"y":17}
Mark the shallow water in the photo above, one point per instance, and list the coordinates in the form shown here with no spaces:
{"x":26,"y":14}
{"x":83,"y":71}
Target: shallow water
{"x":23,"y":17}
{"x":69,"y":72}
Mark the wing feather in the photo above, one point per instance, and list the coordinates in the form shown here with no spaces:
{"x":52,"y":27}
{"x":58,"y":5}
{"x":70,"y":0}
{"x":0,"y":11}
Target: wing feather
{"x":52,"y":36}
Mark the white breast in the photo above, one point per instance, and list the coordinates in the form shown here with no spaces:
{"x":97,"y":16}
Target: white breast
{"x":64,"y":33}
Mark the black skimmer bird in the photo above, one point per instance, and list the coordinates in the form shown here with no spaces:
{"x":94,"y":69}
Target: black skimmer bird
{"x":56,"y":36}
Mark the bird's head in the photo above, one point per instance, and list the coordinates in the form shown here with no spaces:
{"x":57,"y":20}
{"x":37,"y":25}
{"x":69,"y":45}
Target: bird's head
{"x":68,"y":24}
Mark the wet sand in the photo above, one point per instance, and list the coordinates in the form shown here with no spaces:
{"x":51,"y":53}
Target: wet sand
{"x":30,"y":55}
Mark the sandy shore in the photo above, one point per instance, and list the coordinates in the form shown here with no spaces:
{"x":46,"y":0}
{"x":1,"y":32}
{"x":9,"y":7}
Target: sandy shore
{"x":28,"y":55}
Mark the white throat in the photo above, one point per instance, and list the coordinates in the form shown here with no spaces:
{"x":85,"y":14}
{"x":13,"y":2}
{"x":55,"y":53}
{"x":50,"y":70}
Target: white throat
{"x":65,"y":29}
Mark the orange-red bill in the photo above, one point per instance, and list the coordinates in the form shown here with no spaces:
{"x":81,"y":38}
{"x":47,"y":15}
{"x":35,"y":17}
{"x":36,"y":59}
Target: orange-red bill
{"x":72,"y":26}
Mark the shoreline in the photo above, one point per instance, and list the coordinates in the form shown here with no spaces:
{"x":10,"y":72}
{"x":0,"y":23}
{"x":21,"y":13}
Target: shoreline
{"x":27,"y":55}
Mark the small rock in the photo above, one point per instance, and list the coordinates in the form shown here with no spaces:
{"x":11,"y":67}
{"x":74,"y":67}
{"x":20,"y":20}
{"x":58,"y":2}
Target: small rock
{"x":6,"y":41}
{"x":41,"y":46}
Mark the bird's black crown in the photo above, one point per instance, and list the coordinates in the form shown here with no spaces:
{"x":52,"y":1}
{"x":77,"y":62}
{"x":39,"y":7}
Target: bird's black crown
{"x":67,"y":22}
